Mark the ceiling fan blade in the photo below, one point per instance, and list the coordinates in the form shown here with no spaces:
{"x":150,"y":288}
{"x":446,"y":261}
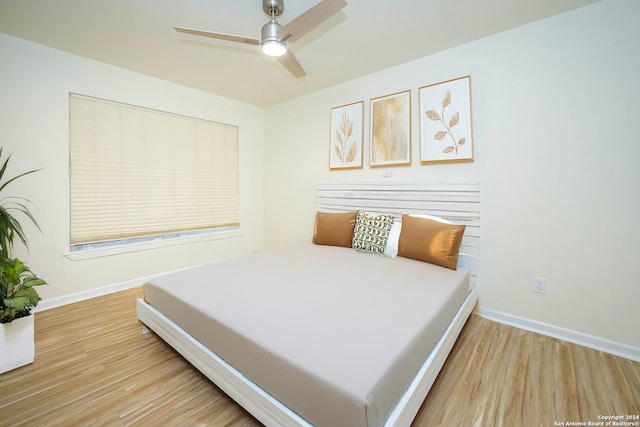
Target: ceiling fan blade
{"x":291,"y":63}
{"x":222,"y":36}
{"x":310,"y":19}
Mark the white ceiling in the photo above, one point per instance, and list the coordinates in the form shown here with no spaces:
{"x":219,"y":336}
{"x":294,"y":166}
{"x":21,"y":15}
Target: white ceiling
{"x":366,"y":36}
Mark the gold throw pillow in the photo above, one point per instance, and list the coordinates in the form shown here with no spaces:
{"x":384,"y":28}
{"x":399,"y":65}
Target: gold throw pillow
{"x":334,"y":229}
{"x":431,"y":241}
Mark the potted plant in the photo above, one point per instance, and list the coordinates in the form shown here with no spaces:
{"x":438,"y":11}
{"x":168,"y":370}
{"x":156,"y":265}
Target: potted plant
{"x":17,"y":294}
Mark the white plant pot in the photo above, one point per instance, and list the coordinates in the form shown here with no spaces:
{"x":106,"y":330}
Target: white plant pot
{"x":17,"y":345}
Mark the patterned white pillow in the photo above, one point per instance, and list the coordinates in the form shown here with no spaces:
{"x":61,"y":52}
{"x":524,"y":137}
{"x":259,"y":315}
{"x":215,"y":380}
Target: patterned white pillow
{"x":391,"y":249}
{"x":371,"y":232}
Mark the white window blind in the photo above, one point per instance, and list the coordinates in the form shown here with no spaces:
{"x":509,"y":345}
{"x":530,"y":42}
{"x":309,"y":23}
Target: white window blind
{"x":139,"y":173}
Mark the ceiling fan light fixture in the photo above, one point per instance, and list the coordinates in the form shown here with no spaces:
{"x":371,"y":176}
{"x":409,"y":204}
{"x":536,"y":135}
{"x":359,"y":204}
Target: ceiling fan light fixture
{"x":270,"y":42}
{"x":274,"y":47}
{"x":274,"y":37}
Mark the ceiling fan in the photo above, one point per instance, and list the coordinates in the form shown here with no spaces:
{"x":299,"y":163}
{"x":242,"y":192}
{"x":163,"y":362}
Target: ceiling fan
{"x":274,"y":36}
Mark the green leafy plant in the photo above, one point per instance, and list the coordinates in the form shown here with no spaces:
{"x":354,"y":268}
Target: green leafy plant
{"x":16,"y":290}
{"x":17,"y":296}
{"x":9,"y":225}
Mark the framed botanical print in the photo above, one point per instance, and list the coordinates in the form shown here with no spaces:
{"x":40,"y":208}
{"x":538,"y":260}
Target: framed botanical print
{"x":445,"y":121}
{"x":390,"y":131}
{"x":347,"y":133}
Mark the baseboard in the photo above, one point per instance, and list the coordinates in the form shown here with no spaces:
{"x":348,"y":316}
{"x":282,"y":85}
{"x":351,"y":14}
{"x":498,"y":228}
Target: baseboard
{"x":580,"y":338}
{"x":49,"y":303}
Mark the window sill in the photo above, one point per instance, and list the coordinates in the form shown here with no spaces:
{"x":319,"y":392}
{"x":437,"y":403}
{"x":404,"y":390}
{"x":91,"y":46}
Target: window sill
{"x":118,"y":249}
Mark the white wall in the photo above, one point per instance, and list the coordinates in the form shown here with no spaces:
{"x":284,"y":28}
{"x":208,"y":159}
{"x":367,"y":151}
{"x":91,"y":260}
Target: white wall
{"x":35,"y":82}
{"x":555,"y":110}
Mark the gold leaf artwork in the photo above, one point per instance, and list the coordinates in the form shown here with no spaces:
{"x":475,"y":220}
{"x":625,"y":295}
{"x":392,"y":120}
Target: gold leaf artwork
{"x":447,"y":100}
{"x":352,"y":154}
{"x":453,"y":120}
{"x":433,"y":115}
{"x":446,"y":133}
{"x":345,"y":150}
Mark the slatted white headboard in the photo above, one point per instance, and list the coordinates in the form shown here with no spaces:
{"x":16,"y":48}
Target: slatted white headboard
{"x":457,"y":202}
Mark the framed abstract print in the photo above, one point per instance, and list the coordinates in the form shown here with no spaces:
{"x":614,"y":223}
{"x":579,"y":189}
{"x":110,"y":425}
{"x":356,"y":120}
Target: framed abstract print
{"x":390,"y":131}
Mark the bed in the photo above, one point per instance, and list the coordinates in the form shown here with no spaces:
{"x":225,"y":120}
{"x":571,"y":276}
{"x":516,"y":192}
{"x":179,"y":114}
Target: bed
{"x":323,"y":334}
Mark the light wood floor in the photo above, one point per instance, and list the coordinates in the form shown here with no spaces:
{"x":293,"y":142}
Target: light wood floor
{"x":93,"y":367}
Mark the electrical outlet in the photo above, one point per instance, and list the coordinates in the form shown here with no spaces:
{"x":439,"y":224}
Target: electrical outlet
{"x":540,"y":285}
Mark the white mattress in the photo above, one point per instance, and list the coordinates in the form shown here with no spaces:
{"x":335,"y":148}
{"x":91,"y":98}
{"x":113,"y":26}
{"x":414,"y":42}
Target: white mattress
{"x":334,"y":334}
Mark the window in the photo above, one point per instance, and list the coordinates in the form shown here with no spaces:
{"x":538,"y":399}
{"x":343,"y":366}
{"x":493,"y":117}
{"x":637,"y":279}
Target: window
{"x":139,"y":174}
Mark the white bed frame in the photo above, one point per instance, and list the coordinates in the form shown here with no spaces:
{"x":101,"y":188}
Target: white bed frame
{"x":458,"y":202}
